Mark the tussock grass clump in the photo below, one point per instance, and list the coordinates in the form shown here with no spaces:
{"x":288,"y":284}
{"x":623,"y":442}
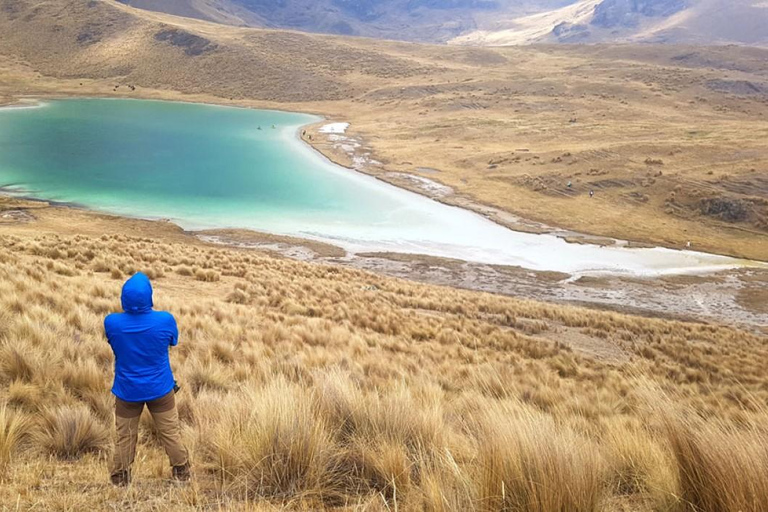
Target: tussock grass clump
{"x":238,"y":296}
{"x":207,"y":376}
{"x":526,"y":462}
{"x":14,"y":365}
{"x":640,"y":465}
{"x":68,"y":432}
{"x":268,"y":443}
{"x":25,"y":396}
{"x":721,"y":466}
{"x":184,"y":270}
{"x":84,"y":376}
{"x":208,"y":275}
{"x":14,"y":434}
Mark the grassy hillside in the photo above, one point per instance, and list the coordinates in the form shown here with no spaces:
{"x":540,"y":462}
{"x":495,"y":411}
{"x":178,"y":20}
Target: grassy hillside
{"x":103,"y":40}
{"x":309,"y":387}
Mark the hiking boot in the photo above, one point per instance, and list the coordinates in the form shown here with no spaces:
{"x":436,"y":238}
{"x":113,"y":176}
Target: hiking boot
{"x":181,"y":473}
{"x":121,"y":478}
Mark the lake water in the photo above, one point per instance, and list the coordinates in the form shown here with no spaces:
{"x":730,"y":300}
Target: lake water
{"x":205,"y":166}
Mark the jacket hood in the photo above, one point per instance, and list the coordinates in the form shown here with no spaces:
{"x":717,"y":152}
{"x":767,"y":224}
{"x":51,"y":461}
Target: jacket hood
{"x":137,"y":294}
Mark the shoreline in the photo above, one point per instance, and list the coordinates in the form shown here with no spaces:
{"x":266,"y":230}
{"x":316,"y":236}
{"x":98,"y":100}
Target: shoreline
{"x":733,"y":297}
{"x":474,"y":208}
{"x":39,"y":100}
{"x":489,"y":212}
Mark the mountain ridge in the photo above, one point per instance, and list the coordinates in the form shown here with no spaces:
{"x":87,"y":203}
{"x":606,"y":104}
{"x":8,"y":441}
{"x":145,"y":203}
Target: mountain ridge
{"x":707,"y":22}
{"x":494,"y":22}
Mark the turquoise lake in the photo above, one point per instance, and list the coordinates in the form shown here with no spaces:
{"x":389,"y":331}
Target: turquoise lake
{"x":205,"y":166}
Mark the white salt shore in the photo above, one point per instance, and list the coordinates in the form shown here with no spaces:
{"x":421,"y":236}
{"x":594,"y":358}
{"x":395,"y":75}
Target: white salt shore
{"x":425,"y":226}
{"x":337,"y":128}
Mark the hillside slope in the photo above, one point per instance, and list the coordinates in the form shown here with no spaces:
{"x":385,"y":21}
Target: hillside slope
{"x":310,"y":387}
{"x":101,"y":39}
{"x":658,"y":21}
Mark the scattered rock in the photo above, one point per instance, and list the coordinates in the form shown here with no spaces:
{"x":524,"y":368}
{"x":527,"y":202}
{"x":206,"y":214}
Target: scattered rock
{"x":731,"y":210}
{"x":15,"y":216}
{"x":585,"y":240}
{"x":738,"y":87}
{"x":193,"y":45}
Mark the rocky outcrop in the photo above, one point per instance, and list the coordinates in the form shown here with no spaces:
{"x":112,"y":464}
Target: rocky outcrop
{"x":738,"y":87}
{"x":627,"y":13}
{"x":727,"y":209}
{"x":570,"y":32}
{"x":191,"y":44}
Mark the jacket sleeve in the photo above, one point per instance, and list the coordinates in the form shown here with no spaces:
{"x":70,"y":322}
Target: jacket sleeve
{"x":106,"y":329}
{"x":174,"y":330}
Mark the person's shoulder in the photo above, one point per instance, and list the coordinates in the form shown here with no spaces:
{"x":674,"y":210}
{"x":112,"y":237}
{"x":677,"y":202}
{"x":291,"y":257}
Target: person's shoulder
{"x":164,"y":316}
{"x":112,"y":319}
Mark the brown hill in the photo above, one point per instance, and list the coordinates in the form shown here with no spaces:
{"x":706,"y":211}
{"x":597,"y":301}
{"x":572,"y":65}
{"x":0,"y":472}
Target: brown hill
{"x":102,"y":40}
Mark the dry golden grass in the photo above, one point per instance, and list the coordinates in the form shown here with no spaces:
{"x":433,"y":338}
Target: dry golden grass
{"x":69,"y":432}
{"x":711,"y":454}
{"x":303,"y":387}
{"x":13,"y":432}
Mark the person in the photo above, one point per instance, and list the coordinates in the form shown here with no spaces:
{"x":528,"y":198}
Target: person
{"x":140,"y":339}
{"x":591,"y":193}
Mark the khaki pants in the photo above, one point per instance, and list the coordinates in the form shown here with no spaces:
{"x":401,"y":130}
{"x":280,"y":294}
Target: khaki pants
{"x":166,"y":418}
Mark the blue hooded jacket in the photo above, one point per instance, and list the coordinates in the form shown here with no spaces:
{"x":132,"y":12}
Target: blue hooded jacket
{"x":140,"y":338}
